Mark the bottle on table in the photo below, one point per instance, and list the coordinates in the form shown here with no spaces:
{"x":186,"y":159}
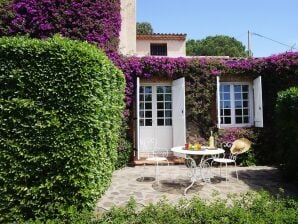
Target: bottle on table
{"x":211,"y":140}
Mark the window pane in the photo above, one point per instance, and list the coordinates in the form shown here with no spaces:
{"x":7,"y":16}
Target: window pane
{"x":246,"y":120}
{"x":224,"y":88}
{"x":227,"y":112}
{"x":237,"y":88}
{"x":168,"y":89}
{"x":238,"y":104}
{"x":148,"y":89}
{"x":227,"y":120}
{"x":141,"y":89}
{"x":141,"y":122}
{"x":245,"y":88}
{"x":168,"y":97}
{"x":148,"y":97}
{"x":245,"y":103}
{"x":142,"y":106}
{"x":245,"y":112}
{"x":245,"y":96}
{"x":238,"y":112}
{"x":238,"y":96}
{"x":160,"y":89}
{"x":238,"y":120}
{"x":221,"y":112}
{"x":148,"y":114}
{"x":160,"y":97}
{"x":148,"y":106}
{"x":168,"y":122}
{"x":226,"y":96}
{"x":160,"y":114}
{"x":168,"y":105}
{"x":142,"y":114}
{"x":226,"y":104}
{"x":168,"y":113}
{"x":148,"y":122}
{"x":159,"y":105}
{"x":160,"y":122}
{"x":141,"y":97}
{"x":158,"y":49}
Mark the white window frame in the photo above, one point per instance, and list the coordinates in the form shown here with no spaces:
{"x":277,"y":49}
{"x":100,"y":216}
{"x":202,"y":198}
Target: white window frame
{"x":233,"y":117}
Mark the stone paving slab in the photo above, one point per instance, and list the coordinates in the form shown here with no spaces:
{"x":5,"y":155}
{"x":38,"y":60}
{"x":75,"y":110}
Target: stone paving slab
{"x":174,"y":179}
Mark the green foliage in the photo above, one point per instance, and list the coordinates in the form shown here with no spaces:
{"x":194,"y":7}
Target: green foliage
{"x":124,"y":147}
{"x":219,"y":45}
{"x":249,"y":208}
{"x":144,"y":28}
{"x":286,"y":130}
{"x":61,"y":105}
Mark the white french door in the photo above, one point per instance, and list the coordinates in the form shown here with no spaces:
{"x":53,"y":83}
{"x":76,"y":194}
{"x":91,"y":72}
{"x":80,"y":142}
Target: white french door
{"x":155,"y":117}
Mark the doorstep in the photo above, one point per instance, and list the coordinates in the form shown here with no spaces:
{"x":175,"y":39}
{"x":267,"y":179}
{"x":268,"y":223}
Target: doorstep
{"x":172,"y":160}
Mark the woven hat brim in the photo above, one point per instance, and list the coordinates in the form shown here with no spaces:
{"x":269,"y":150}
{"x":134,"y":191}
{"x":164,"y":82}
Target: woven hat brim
{"x":240,"y":146}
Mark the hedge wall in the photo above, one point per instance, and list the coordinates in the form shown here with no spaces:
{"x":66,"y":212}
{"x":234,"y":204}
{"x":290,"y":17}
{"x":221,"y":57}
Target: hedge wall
{"x":286,"y":132}
{"x":61,"y":105}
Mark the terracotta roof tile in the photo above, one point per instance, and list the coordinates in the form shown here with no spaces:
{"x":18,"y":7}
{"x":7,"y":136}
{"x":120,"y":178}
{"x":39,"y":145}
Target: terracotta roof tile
{"x":162,"y":36}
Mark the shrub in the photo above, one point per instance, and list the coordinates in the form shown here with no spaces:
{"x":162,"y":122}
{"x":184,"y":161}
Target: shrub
{"x":286,"y":129}
{"x":249,"y":208}
{"x":61,"y":105}
{"x":124,"y":147}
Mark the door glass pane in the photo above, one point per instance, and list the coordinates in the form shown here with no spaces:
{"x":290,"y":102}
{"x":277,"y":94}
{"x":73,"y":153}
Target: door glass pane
{"x":145,"y":105}
{"x":168,"y":97}
{"x":160,"y":122}
{"x":160,"y":89}
{"x":164,"y":105}
{"x":160,"y":113}
{"x":168,"y":122}
{"x":168,"y":105}
{"x":160,"y":106}
{"x":160,"y":97}
{"x":148,"y":122}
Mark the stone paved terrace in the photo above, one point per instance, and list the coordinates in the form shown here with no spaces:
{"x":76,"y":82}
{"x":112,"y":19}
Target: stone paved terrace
{"x":174,"y":179}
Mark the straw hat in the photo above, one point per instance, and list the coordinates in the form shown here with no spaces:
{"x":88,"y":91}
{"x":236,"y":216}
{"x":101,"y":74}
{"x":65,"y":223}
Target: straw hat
{"x":240,"y":146}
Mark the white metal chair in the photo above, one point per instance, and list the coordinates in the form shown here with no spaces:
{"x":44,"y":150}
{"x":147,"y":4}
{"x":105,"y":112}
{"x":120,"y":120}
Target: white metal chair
{"x":238,"y":147}
{"x":155,"y":157}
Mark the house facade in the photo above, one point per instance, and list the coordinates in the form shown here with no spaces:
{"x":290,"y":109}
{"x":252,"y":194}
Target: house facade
{"x":160,"y":113}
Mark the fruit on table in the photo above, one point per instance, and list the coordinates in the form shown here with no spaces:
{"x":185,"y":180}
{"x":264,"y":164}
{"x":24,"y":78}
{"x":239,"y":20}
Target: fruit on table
{"x":198,"y":146}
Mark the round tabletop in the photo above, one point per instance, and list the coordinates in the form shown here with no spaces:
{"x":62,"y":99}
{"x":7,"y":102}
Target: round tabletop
{"x":202,"y":151}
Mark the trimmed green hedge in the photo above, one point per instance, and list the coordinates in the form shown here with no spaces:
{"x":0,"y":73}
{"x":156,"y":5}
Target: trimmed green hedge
{"x":286,"y":129}
{"x":61,"y":105}
{"x":249,"y":208}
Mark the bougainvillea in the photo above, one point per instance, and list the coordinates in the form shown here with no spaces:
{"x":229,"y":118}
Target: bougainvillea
{"x":94,"y":21}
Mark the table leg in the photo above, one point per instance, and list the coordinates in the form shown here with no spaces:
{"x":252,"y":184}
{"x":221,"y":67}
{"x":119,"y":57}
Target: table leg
{"x":191,"y":163}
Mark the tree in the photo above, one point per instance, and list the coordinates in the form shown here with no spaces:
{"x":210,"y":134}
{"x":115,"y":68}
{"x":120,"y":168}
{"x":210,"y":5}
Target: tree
{"x":219,"y":45}
{"x":144,"y":28}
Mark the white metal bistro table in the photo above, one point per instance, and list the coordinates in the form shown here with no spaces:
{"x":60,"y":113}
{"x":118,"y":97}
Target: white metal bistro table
{"x":194,"y":167}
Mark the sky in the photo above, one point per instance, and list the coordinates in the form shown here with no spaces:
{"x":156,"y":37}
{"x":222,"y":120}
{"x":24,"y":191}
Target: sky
{"x":275,"y":19}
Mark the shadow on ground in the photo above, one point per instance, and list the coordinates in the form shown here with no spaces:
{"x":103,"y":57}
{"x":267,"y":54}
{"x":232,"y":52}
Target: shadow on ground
{"x":267,"y":179}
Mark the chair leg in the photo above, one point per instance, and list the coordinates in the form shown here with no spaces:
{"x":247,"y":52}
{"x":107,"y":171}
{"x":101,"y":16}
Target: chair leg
{"x":236,"y":171}
{"x":226,"y":172}
{"x":220,"y":169}
{"x":157,"y":172}
{"x":144,"y":169}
